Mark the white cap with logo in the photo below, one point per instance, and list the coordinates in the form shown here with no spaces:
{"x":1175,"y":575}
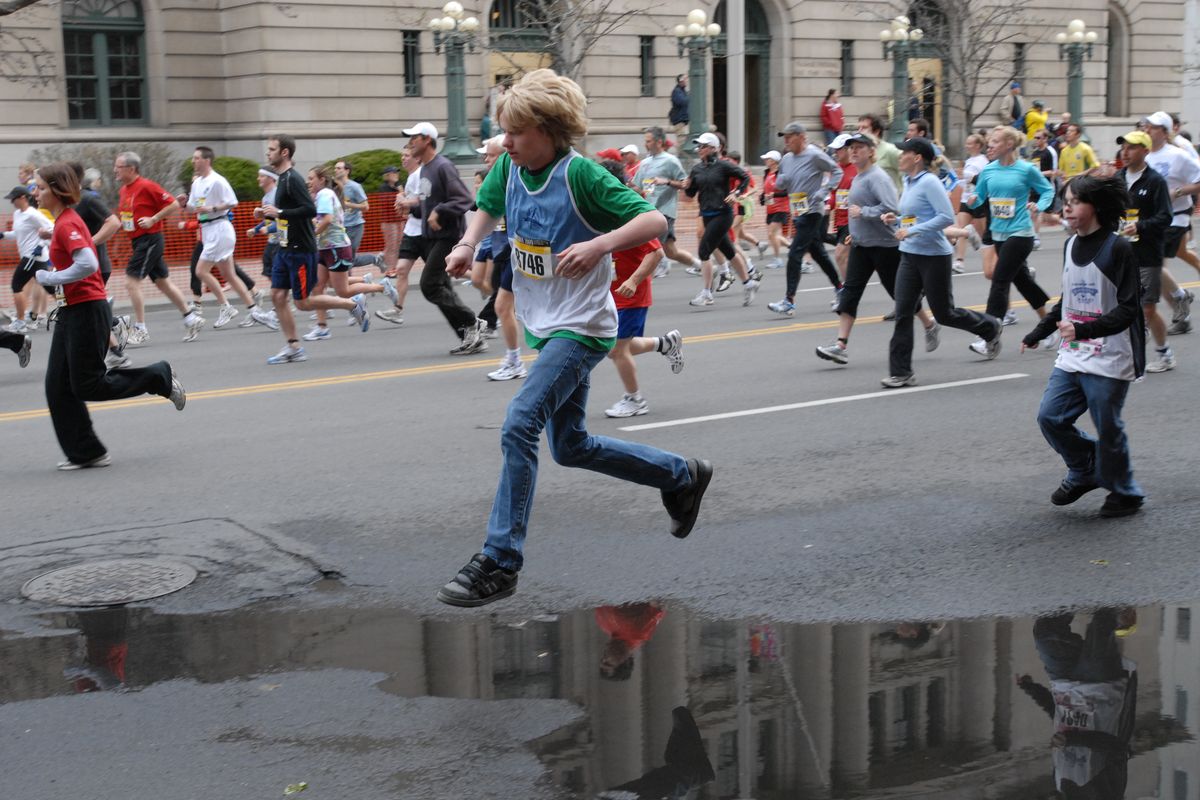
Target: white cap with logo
{"x":1159,"y":119}
{"x":422,"y":129}
{"x":709,"y":139}
{"x":771,"y":154}
{"x":631,"y":148}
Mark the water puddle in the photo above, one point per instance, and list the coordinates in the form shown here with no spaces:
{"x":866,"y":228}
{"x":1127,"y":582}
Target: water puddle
{"x":656,"y":702}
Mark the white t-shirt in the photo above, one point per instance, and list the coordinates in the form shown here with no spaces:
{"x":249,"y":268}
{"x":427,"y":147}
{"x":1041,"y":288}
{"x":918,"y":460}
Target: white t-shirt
{"x":1179,"y":170}
{"x":973,"y":166}
{"x":412,"y":188}
{"x":1183,"y":144}
{"x":26,"y":225}
{"x":209,"y":191}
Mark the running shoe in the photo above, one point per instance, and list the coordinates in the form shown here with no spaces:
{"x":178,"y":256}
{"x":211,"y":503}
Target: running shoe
{"x":808,"y":268}
{"x":192,"y":324}
{"x":35,"y":322}
{"x":897,"y":381}
{"x":1037,"y":243}
{"x":753,"y":273}
{"x":724,"y":281}
{"x":18,"y":326}
{"x":116,"y":360}
{"x":177,"y":396}
{"x":974,"y":240}
{"x":393,"y":315}
{"x":1068,"y":493}
{"x":492,"y":333}
{"x":328,"y":315}
{"x":889,"y":316}
{"x":683,"y":505}
{"x":979,"y":346}
{"x":258,"y":295}
{"x":139,"y":335}
{"x":993,"y":345}
{"x":317,"y":333}
{"x":693,"y":270}
{"x":705,"y":298}
{"x":225,"y":315}
{"x":749,"y":290}
{"x":762,"y":249}
{"x":389,"y":288}
{"x":631,"y":405}
{"x":933,"y":337}
{"x":674,"y":351}
{"x":473,"y":340}
{"x":268,"y":318}
{"x":288,"y":355}
{"x":368,"y":277}
{"x":1179,"y":327}
{"x":95,"y":463}
{"x":775,"y":263}
{"x":249,"y":321}
{"x":120,"y":331}
{"x":479,"y":582}
{"x":23,"y":353}
{"x":784,"y":307}
{"x":1183,"y":307}
{"x":663,"y":269}
{"x":958,"y":267}
{"x":835,"y":352}
{"x":1165,"y":362}
{"x":508,"y":371}
{"x":1010,"y":318}
{"x":360,"y":312}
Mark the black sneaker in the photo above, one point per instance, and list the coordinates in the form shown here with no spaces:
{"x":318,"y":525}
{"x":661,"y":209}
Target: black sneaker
{"x":480,"y":582}
{"x":684,"y":505}
{"x":1121,"y":505}
{"x":1068,"y":493}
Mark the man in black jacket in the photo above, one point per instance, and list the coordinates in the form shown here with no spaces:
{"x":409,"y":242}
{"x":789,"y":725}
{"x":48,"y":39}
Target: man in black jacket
{"x":444,"y":201}
{"x":1146,"y":230}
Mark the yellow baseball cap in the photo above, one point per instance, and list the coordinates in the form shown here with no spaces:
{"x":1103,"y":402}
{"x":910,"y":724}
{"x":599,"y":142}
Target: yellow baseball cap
{"x":1136,"y":137}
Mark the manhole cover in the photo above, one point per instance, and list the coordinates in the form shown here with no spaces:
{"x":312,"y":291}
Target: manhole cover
{"x":109,"y":583}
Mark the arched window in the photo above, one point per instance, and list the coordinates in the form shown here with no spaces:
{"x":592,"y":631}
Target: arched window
{"x":104,"y":48}
{"x":1117,"y":100}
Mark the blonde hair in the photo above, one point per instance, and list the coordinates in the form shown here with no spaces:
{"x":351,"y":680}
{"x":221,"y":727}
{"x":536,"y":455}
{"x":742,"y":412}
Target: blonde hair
{"x":546,"y":100}
{"x":1012,"y":135}
{"x":982,"y":142}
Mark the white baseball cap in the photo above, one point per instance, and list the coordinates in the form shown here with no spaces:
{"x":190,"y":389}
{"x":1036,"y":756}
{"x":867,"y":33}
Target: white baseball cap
{"x":631,"y":148}
{"x":422,"y":129}
{"x":1159,"y":119}
{"x":771,"y":154}
{"x":709,"y":139}
{"x":839,"y":141}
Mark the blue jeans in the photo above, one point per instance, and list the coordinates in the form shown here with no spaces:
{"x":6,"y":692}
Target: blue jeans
{"x":1103,"y":461}
{"x":554,"y":396}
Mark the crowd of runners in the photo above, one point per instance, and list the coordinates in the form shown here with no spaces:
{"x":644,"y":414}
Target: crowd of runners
{"x":580,"y":267}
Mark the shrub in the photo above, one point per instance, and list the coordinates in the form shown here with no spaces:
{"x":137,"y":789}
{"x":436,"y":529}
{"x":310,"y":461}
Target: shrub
{"x":242,"y":174}
{"x":367,"y":164}
{"x":158,"y":162}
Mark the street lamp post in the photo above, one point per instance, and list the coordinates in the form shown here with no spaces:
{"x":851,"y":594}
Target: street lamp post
{"x":900,"y":44}
{"x":1073,"y":44}
{"x":455,"y":34}
{"x":695,"y":37}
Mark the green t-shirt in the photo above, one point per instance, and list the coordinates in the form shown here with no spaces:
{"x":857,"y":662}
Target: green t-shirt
{"x":604,"y":203}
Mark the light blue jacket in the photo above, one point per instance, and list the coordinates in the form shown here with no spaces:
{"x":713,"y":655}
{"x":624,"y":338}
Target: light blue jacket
{"x":925,"y":211}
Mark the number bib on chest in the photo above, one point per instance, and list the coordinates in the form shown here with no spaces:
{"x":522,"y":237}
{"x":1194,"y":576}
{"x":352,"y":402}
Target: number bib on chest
{"x":648,"y":187}
{"x":60,"y":296}
{"x":127,"y":220}
{"x":1004,"y":207}
{"x":533,"y":258}
{"x":281,"y":228}
{"x":798,"y":203}
{"x":843,"y":198}
{"x":908,"y":222}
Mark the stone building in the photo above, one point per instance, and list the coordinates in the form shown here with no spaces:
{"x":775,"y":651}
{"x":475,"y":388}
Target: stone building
{"x":345,"y":76}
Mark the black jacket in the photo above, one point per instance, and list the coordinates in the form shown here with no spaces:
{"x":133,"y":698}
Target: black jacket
{"x":1151,"y":198}
{"x":711,"y":180}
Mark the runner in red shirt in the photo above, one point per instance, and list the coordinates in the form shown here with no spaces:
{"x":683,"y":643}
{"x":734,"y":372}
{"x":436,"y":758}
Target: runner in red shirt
{"x":142,"y":208}
{"x":75,"y":372}
{"x":839,"y":203}
{"x":777,"y":209}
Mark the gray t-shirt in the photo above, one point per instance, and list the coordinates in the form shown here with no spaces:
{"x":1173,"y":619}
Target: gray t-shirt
{"x":353,"y":192}
{"x":873,"y":192}
{"x":664,"y":198}
{"x":803,"y":178}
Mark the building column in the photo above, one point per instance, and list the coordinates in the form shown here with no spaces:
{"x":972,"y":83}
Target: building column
{"x":452,"y":656}
{"x":665,"y":658}
{"x":851,"y":715}
{"x":809,"y":657}
{"x":735,"y":76}
{"x":976,"y":682}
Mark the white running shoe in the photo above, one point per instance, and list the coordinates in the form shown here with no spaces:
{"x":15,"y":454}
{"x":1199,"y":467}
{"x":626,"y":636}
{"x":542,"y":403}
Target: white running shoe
{"x":835,"y":352}
{"x":138,"y":335}
{"x":474,"y":340}
{"x":762,"y":248}
{"x":663,"y":269}
{"x":808,"y":268}
{"x":115,"y":360}
{"x":749,"y":290}
{"x":360,"y":313}
{"x":958,"y":267}
{"x":192,"y":324}
{"x":18,"y":326}
{"x":705,"y":298}
{"x":1165,"y":362}
{"x":979,"y":346}
{"x":631,"y":405}
{"x":288,"y":355}
{"x":393,"y":315}
{"x":1010,"y":318}
{"x":508,"y":371}
{"x":784,"y":307}
{"x":249,"y":321}
{"x":317,"y":333}
{"x":268,"y":318}
{"x":896,"y":381}
{"x":389,"y":288}
{"x":973,"y":238}
{"x":933,"y":338}
{"x":693,"y":270}
{"x":674,"y":351}
{"x":177,"y":396}
{"x":225,"y":315}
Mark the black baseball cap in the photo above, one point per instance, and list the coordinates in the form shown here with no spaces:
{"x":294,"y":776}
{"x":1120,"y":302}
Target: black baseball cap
{"x":388,"y":169}
{"x":919,"y":145}
{"x":18,"y":191}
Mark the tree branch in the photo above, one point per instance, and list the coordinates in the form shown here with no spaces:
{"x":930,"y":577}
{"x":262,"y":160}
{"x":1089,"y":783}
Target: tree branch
{"x":12,"y":6}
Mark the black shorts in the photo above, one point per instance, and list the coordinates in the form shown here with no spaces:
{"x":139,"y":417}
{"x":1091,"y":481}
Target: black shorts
{"x":411,"y":247}
{"x":337,"y":259}
{"x":843,"y":233}
{"x":268,"y":257}
{"x":1172,"y":238}
{"x":23,"y":273}
{"x":502,"y":274}
{"x":777,"y":218}
{"x":146,"y":260}
{"x":976,"y":213}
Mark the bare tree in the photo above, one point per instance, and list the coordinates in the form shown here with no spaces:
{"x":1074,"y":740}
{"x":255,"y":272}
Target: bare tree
{"x":974,"y":40}
{"x":24,"y":58}
{"x":566,"y":31}
{"x":10,"y":6}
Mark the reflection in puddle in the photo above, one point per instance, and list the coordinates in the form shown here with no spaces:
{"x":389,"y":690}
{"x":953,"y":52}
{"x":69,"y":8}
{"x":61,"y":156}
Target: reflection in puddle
{"x":676,"y":705}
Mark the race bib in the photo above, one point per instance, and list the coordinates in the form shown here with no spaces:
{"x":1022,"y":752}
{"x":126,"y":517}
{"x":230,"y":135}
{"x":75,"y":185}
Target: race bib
{"x":649,"y":186}
{"x":127,"y":220}
{"x":60,"y":296}
{"x":908,"y":222}
{"x":1087,"y":346}
{"x":1131,"y":218}
{"x":798,"y":203}
{"x":1004,"y":207}
{"x":281,"y":227}
{"x":533,"y":258}
{"x":199,"y":203}
{"x":843,"y":198}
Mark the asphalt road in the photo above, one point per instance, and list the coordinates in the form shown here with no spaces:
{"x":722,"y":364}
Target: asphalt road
{"x":832,"y":499}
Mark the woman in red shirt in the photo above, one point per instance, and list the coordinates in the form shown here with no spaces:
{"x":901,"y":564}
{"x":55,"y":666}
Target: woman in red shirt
{"x":75,"y":372}
{"x":833,"y":115}
{"x":777,"y":209}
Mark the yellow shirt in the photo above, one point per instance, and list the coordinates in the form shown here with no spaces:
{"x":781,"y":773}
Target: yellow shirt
{"x":1035,"y":121}
{"x":1077,"y":159}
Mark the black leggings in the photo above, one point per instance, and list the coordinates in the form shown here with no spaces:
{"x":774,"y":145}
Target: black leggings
{"x":1011,"y":270}
{"x":198,"y":287}
{"x":883,"y":261}
{"x":716,"y":235}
